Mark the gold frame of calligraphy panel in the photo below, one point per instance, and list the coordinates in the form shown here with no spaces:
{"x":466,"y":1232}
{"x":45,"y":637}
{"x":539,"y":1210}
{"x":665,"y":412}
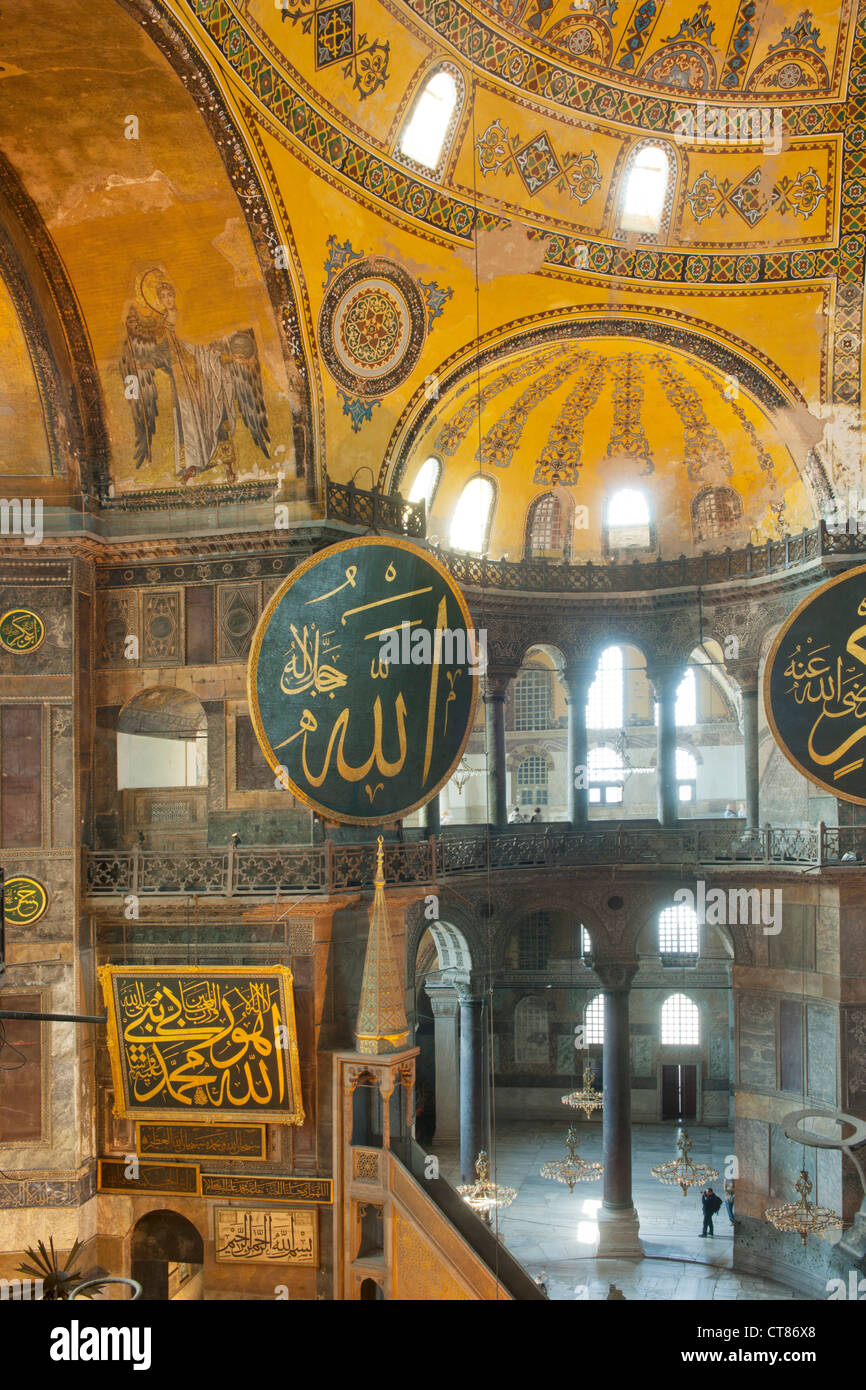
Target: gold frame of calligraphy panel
{"x":852,"y":647}
{"x":167,"y":1053}
{"x":282,"y":1189}
{"x":248,"y":1217}
{"x":213,"y":1132}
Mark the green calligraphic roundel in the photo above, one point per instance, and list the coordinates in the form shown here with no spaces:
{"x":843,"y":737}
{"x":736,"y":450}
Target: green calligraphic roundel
{"x":815,"y":687}
{"x":21,"y":631}
{"x":24,"y":901}
{"x":363,"y":679}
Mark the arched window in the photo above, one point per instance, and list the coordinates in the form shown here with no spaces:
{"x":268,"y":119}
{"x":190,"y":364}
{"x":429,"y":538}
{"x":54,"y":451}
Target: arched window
{"x":532,"y":700}
{"x":585,"y":945}
{"x":426,"y":481}
{"x":687,"y":776}
{"x":531,"y":1032}
{"x":533,"y":942}
{"x":678,"y":931}
{"x":162,"y":740}
{"x":681,"y":1021}
{"x":593,"y":1021}
{"x":604,"y":705}
{"x":606,"y":776}
{"x":715,"y":512}
{"x":547,"y":529}
{"x":532,"y":775}
{"x":470,"y":524}
{"x":426,"y":135}
{"x":647,"y":186}
{"x":627,"y":520}
{"x":686,"y":712}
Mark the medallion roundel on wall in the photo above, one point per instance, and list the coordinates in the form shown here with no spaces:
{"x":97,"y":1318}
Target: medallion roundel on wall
{"x":25,"y":900}
{"x":21,"y":630}
{"x":372,"y":326}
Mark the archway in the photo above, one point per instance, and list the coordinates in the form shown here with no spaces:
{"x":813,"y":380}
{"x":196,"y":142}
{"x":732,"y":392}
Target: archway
{"x":162,"y":768}
{"x":442,"y":964}
{"x":167,"y":1255}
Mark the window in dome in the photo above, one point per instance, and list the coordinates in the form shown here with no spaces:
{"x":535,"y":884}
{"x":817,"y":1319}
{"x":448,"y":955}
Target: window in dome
{"x":426,"y":481}
{"x":470,"y":525}
{"x":646,"y":182}
{"x":627,"y":520}
{"x":547,"y":527}
{"x":604,"y":705}
{"x":716,"y":511}
{"x":681,"y":1021}
{"x":426,"y":134}
{"x":606,"y":776}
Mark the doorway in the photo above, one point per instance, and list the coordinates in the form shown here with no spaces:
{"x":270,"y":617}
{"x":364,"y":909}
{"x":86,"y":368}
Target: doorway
{"x":680,"y":1091}
{"x":160,"y":1240}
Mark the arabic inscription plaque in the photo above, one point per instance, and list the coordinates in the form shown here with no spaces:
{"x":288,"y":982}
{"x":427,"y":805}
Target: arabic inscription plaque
{"x":204,"y":1043}
{"x":815,"y":687}
{"x":363,"y":680}
{"x":252,"y":1235}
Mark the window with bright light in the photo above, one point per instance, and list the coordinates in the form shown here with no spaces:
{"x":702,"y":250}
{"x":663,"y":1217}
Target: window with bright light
{"x":681,"y":1021}
{"x":426,"y":481}
{"x":687,"y":776}
{"x":593,"y":1021}
{"x":627,"y":520}
{"x":646,"y":184}
{"x":532,"y":700}
{"x":423,"y":137}
{"x":678,"y":931}
{"x":585,"y":942}
{"x":606,"y":776}
{"x":547,"y":529}
{"x":604,"y":705}
{"x":471,"y":521}
{"x":686,"y":711}
{"x":532,"y":776}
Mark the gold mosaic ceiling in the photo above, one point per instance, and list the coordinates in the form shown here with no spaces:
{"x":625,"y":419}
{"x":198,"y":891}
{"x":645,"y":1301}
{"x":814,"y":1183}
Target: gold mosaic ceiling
{"x":265,"y":187}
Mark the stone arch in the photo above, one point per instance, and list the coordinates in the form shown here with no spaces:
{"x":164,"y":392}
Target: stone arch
{"x":158,"y":1238}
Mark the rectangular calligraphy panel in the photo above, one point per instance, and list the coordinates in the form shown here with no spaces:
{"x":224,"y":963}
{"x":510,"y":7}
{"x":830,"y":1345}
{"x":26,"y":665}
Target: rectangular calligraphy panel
{"x":202,"y":1141}
{"x":267,"y":1189}
{"x":261,"y":1235}
{"x":176,"y":1179}
{"x":203,"y":1043}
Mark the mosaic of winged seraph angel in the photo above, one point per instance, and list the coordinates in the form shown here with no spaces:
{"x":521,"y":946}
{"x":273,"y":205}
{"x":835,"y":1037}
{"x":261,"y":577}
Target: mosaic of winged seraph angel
{"x":210,"y":384}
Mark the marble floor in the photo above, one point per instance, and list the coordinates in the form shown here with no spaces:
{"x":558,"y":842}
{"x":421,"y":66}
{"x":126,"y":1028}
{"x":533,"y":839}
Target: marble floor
{"x":553,"y":1232}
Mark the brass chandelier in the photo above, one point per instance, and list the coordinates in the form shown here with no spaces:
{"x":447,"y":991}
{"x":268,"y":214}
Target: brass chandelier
{"x":571,"y":1169}
{"x":587,"y":1098}
{"x":681,"y":1171}
{"x":482,"y":1195}
{"x":802,"y":1216}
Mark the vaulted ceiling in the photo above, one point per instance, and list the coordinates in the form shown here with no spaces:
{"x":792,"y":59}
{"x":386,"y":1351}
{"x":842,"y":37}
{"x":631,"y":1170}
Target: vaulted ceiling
{"x":221,"y":186}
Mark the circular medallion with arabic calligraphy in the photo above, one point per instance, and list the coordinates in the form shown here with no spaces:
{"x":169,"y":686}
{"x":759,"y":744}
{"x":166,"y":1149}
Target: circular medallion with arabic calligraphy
{"x":25,"y":901}
{"x":21,"y":631}
{"x":363,"y":679}
{"x":815,"y":687}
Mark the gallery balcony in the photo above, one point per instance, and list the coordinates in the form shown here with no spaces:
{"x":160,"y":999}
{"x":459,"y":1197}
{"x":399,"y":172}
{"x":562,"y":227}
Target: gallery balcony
{"x":258,"y":871}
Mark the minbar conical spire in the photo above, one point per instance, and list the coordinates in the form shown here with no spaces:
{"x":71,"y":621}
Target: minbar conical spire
{"x":382,"y":1026}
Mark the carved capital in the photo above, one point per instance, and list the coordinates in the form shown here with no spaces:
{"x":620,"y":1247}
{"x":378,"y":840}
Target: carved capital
{"x":666,"y":680}
{"x":576,"y":678}
{"x":496,"y":682}
{"x":745,"y":673}
{"x":616,"y":976}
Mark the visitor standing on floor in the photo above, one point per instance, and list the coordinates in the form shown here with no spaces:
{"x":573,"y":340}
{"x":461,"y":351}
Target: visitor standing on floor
{"x":729,"y":1198}
{"x":710,"y":1204}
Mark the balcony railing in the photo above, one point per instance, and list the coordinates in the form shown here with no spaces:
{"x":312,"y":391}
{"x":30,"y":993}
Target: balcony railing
{"x":263,"y":870}
{"x":378,"y":510}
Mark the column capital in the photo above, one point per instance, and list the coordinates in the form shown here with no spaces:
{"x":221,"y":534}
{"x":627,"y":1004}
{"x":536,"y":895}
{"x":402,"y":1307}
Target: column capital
{"x":576,"y":678}
{"x":666,"y":678}
{"x":444,"y":1000}
{"x":745,"y":673}
{"x":616,"y":976}
{"x":497,"y":680}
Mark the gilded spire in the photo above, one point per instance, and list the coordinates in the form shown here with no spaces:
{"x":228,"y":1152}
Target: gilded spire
{"x":381,"y":1026}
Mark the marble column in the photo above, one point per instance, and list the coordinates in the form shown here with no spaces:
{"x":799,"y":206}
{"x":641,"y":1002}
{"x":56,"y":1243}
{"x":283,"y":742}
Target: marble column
{"x":446,"y":1033}
{"x":665,"y":683}
{"x":496,"y":684}
{"x":577,"y":680}
{"x":618,"y":1223}
{"x":432,"y":821}
{"x":747,"y":679}
{"x":471,"y":1085}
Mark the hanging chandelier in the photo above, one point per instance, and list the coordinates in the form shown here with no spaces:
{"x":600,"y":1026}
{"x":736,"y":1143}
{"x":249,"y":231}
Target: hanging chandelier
{"x":802,"y":1217}
{"x":681,"y":1171}
{"x":482,"y":1195}
{"x":587,"y":1098}
{"x":461,"y":774}
{"x":571,"y":1169}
